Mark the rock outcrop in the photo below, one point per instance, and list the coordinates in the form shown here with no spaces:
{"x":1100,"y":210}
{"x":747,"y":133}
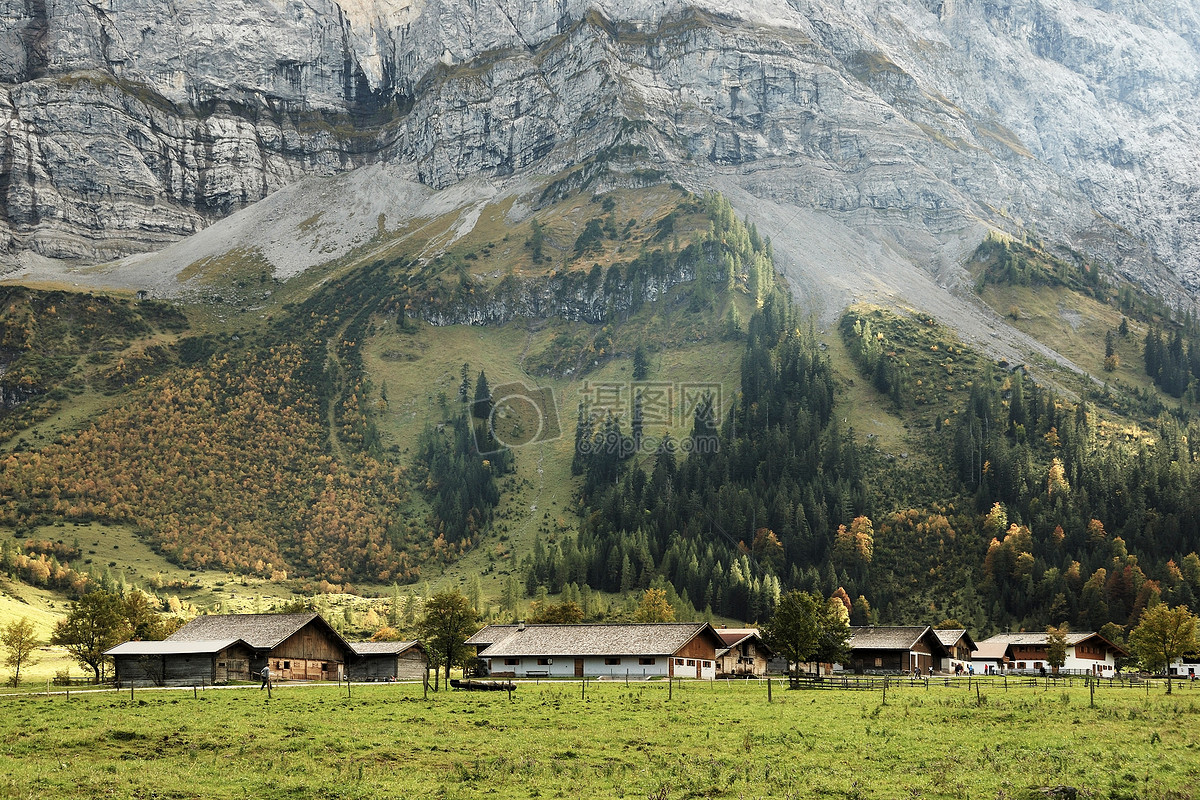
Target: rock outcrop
{"x":128,"y":124}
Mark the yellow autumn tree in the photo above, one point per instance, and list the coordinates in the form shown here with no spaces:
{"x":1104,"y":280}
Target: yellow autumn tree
{"x":654,"y":607}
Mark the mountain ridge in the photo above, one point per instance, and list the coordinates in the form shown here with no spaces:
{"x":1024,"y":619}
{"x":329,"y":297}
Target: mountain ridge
{"x":912,"y":124}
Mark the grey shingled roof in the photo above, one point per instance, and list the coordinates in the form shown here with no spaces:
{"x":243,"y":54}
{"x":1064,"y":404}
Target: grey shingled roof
{"x":950,"y":637}
{"x":880,"y":637}
{"x":631,"y":639}
{"x":490,"y":633}
{"x":1036,"y":638}
{"x":171,"y":648}
{"x":260,"y":631}
{"x":383,"y":648}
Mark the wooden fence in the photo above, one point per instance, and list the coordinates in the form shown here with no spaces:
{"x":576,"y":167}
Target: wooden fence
{"x":989,"y":682}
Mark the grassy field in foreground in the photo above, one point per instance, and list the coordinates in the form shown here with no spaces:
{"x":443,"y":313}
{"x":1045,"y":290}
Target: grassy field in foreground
{"x":710,"y":740}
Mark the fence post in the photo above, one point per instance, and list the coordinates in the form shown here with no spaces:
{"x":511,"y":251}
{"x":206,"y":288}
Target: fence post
{"x":1092,"y":688}
{"x":670,"y":687}
{"x":769,"y":700}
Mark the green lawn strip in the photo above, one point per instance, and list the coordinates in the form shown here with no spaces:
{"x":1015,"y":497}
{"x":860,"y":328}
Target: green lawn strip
{"x":708,"y":740}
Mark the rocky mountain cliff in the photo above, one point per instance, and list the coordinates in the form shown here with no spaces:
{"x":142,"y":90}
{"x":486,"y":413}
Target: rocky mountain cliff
{"x":867,"y":135}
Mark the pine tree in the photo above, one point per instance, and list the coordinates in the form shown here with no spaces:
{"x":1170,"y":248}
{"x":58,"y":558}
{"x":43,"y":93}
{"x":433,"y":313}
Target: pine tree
{"x":636,"y":421}
{"x":482,"y":407}
{"x":641,"y":363}
{"x":464,"y":387}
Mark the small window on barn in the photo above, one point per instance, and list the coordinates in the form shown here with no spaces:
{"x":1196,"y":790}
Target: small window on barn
{"x":1020,"y":665}
{"x":220,"y":663}
{"x":287,"y":665}
{"x":612,"y":662}
{"x":512,"y":662}
{"x":691,"y":662}
{"x":679,"y":661}
{"x":543,"y":662}
{"x":878,"y":662}
{"x":646,"y":662}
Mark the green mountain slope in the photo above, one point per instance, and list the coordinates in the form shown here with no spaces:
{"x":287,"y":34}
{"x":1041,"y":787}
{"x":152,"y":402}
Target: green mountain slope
{"x":662,"y":416}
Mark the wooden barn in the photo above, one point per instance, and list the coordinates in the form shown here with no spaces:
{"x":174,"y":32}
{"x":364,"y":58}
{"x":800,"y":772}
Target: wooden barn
{"x":912,"y":649}
{"x":747,"y":653}
{"x":296,"y":646}
{"x":202,"y":662}
{"x":385,"y":661}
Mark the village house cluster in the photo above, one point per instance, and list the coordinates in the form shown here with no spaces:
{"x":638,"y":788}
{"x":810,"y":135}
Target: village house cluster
{"x":235,"y":647}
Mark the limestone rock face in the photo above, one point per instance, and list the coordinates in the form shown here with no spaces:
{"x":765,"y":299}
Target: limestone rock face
{"x":129,"y":124}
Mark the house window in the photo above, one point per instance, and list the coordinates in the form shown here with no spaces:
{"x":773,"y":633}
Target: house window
{"x":612,"y":662}
{"x":324,"y":667}
{"x":691,"y":662}
{"x":543,"y":662}
{"x":1020,"y":665}
{"x":287,"y":665}
{"x":878,"y":662}
{"x":512,"y":662}
{"x":646,"y":662}
{"x":679,"y":662}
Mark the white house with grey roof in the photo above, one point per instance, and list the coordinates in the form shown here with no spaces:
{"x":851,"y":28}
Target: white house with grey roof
{"x":636,"y":650}
{"x":1088,"y":653}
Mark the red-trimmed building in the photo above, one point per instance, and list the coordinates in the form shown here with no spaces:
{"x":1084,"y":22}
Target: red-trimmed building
{"x":1087,"y":653}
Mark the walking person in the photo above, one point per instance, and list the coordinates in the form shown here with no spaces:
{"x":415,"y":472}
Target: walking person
{"x":266,"y":677}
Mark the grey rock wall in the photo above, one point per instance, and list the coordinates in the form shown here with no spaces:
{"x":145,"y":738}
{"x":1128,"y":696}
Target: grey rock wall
{"x":127,"y":124}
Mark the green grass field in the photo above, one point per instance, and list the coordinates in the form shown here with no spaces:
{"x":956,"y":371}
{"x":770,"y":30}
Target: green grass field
{"x":710,"y":740}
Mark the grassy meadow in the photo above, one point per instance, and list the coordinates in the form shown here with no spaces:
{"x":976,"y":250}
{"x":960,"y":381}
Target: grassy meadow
{"x":709,"y":740}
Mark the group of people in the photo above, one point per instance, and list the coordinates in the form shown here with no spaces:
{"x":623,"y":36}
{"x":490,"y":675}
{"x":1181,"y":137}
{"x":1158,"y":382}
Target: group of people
{"x":959,"y":670}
